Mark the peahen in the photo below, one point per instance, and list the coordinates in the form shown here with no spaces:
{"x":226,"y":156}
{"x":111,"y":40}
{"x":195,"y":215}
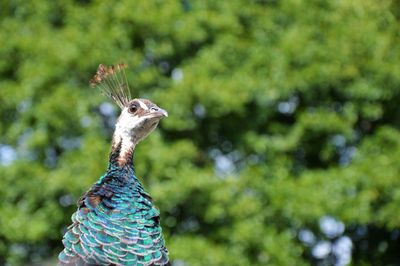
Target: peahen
{"x":116,"y":222}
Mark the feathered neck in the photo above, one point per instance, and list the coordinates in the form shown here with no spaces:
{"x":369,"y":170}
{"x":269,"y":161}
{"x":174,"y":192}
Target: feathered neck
{"x":122,"y":150}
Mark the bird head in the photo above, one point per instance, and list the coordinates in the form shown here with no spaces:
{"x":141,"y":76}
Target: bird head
{"x":138,"y":119}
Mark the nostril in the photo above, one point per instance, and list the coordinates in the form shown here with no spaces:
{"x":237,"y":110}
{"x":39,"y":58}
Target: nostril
{"x":155,"y":109}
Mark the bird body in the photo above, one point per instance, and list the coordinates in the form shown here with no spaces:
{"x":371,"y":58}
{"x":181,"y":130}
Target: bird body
{"x":116,"y":222}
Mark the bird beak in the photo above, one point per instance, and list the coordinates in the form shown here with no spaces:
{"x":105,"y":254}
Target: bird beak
{"x":163,"y":112}
{"x":160,"y":112}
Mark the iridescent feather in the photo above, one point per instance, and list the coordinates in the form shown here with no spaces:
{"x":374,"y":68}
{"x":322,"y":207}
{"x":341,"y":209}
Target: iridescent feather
{"x":116,"y":222}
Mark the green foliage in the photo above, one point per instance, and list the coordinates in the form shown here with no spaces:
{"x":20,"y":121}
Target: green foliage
{"x":281,"y":113}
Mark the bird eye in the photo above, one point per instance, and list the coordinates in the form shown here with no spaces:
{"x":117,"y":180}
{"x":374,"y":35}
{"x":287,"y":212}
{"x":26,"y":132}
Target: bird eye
{"x":132,"y":109}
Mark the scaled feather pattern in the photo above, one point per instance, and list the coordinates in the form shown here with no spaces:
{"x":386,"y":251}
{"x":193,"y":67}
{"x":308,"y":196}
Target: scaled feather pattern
{"x":116,"y":222}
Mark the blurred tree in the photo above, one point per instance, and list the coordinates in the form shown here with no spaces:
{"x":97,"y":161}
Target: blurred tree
{"x":282,"y":143}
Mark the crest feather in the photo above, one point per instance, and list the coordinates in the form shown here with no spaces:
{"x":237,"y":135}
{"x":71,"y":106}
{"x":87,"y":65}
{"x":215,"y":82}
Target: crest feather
{"x":112,"y":83}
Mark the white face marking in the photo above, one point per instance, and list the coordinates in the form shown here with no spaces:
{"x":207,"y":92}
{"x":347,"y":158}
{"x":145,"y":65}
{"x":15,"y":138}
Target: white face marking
{"x":123,"y":130}
{"x":144,"y":106}
{"x":130,"y":128}
{"x":126,"y":123}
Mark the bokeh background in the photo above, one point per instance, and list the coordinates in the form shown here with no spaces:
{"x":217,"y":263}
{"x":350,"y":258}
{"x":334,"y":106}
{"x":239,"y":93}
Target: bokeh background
{"x":283,"y":142}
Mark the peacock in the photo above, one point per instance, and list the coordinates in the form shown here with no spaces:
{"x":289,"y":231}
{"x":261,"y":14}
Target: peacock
{"x":116,"y":222}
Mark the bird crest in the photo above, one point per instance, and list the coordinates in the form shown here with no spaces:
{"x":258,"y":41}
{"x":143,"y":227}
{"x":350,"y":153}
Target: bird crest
{"x":112,"y":82}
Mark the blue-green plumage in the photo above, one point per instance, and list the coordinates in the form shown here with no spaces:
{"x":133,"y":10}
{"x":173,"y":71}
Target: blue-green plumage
{"x":116,"y":223}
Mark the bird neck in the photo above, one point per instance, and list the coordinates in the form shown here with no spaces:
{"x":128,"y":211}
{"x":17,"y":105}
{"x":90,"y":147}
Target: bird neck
{"x":122,"y":151}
